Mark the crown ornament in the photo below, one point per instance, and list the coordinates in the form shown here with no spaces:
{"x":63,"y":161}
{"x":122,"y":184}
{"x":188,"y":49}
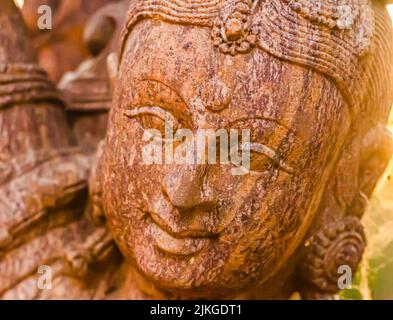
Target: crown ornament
{"x":233,"y":31}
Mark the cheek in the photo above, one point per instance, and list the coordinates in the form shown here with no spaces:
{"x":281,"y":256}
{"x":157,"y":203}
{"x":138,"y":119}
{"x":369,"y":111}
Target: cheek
{"x":121,"y":203}
{"x":119,"y":179}
{"x":266,"y":225}
{"x":128,"y":183}
{"x":275,"y":208}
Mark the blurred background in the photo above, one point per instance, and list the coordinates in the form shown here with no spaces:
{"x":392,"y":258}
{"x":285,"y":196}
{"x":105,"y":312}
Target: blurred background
{"x":62,"y":49}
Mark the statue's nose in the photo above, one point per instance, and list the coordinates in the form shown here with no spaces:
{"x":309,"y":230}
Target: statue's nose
{"x":186,"y":188}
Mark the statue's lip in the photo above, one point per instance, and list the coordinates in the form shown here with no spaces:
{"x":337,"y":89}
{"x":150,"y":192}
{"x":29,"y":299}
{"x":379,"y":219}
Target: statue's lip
{"x":176,"y":246}
{"x":178,"y":232}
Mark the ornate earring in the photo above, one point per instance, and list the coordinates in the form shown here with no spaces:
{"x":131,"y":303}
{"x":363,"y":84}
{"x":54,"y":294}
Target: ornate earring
{"x":340,"y":243}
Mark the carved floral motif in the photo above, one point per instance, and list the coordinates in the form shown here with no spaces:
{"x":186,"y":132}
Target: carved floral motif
{"x":338,"y":244}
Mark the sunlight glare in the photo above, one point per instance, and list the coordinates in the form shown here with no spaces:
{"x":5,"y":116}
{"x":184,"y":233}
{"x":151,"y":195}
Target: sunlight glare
{"x":19,"y":3}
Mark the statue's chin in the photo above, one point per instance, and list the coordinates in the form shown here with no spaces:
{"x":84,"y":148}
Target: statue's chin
{"x":195,"y":276}
{"x":199,"y":262}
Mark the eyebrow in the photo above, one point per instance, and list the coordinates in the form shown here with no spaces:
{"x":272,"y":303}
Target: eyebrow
{"x":266,"y":150}
{"x":152,"y":110}
{"x":270,"y":153}
{"x":176,"y":104}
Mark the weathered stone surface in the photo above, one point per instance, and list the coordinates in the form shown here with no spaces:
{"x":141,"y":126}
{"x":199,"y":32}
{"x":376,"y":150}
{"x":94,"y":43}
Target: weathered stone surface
{"x":311,"y":82}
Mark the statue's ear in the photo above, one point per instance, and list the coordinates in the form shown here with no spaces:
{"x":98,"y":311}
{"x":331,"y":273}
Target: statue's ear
{"x":376,"y":151}
{"x":112,"y":65}
{"x":95,"y":210}
{"x":339,"y":233}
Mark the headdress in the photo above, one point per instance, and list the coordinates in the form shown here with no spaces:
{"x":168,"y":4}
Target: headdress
{"x":346,"y":40}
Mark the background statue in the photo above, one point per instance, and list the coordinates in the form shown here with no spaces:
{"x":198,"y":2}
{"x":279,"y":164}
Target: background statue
{"x":312,"y":83}
{"x":61,"y":48}
{"x":43,"y":178}
{"x":87,"y":90}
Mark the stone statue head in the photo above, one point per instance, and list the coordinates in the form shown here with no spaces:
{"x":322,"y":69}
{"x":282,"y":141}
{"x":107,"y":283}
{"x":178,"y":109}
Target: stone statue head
{"x":308,"y":81}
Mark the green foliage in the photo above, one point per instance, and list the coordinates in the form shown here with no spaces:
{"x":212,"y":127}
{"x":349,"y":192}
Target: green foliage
{"x":355,"y":292}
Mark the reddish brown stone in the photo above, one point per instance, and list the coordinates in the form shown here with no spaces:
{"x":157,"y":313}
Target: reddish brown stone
{"x":314,"y":87}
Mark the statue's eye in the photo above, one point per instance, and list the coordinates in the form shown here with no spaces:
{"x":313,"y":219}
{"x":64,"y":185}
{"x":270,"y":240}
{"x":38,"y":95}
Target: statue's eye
{"x":149,"y":122}
{"x":262,"y":158}
{"x":263,"y":153}
{"x":153,"y":118}
{"x":260,"y":162}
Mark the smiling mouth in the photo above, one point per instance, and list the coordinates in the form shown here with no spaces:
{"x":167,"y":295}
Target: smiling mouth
{"x":176,"y":246}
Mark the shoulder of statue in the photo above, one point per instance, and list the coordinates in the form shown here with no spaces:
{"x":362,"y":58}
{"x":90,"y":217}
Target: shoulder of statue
{"x":46,"y":236}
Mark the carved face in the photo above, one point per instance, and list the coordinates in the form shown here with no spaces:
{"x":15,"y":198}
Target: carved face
{"x":199,"y":226}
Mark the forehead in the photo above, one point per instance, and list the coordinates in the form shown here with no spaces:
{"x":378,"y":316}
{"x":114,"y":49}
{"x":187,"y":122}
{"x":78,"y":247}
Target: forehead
{"x":180,"y":55}
{"x":184,"y":59}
